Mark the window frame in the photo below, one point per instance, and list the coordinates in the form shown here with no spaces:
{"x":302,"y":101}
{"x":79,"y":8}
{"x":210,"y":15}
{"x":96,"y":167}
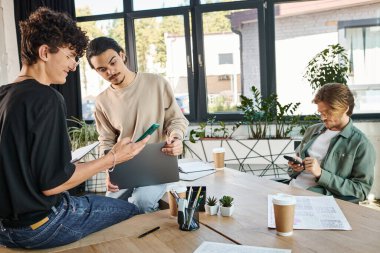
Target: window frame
{"x":196,"y":73}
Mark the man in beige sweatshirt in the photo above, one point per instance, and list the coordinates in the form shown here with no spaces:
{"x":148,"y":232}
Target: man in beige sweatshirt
{"x":128,"y":107}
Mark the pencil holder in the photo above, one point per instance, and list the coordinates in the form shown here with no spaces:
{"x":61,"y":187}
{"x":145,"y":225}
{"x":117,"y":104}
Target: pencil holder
{"x":190,"y":220}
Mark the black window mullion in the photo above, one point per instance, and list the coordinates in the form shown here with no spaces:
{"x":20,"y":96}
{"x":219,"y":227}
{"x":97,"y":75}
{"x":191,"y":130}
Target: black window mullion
{"x":190,"y":73}
{"x":270,"y":48}
{"x":100,"y":17}
{"x":199,"y":70}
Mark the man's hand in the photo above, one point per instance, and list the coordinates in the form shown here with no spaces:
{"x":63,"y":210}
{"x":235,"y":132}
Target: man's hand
{"x":295,"y":166}
{"x":312,"y":165}
{"x":173,"y":146}
{"x":111,"y":187}
{"x":125,"y":150}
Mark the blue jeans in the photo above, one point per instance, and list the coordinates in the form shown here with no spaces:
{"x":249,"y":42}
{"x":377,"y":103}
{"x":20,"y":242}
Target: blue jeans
{"x":75,"y":218}
{"x":145,"y":198}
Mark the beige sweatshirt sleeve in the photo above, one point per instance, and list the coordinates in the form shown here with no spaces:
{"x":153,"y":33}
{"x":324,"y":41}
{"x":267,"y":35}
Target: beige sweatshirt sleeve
{"x":175,"y":122}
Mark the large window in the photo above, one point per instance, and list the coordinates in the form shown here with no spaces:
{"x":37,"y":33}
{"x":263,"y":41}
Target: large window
{"x":363,"y":46}
{"x":161,"y":49}
{"x":213,"y":51}
{"x":304,"y":28}
{"x":223,"y":42}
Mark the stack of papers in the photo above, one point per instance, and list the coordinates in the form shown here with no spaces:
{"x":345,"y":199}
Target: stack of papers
{"x":216,"y":247}
{"x":320,"y":212}
{"x":191,"y":169}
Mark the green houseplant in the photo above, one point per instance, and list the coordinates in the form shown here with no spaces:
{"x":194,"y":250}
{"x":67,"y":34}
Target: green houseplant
{"x":259,"y":113}
{"x":227,"y":206}
{"x":212,"y":206}
{"x":331,"y":65}
{"x":82,"y":134}
{"x":210,"y":129}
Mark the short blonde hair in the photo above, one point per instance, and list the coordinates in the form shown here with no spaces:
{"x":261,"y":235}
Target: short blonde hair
{"x":336,"y":95}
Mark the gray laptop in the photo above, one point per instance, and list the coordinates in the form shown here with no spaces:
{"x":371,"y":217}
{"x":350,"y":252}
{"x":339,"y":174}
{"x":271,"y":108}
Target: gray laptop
{"x":150,"y":167}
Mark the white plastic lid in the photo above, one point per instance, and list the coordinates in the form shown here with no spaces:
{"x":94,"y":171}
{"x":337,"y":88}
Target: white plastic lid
{"x":283,"y":199}
{"x":218,"y":150}
{"x":177,"y":188}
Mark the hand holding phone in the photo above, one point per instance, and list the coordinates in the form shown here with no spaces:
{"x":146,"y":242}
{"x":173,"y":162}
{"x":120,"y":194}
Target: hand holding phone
{"x":150,"y":130}
{"x":293,"y":160}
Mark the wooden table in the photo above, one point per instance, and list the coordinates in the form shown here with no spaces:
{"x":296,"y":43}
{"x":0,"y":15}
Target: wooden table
{"x":122,"y":237}
{"x":248,"y":225}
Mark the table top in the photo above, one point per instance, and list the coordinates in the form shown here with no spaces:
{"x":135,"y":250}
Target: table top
{"x":248,"y":224}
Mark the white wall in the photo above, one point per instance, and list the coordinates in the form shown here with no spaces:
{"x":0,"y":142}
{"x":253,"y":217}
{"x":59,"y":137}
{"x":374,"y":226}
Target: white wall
{"x":9,"y":64}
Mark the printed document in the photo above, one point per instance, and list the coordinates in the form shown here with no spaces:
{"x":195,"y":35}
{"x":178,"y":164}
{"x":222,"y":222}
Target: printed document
{"x":79,"y":153}
{"x":216,"y":247}
{"x":314,"y":212}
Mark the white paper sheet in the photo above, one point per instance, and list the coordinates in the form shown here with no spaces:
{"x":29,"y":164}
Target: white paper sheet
{"x":314,"y":212}
{"x":216,"y":247}
{"x":193,"y":165}
{"x":77,"y":154}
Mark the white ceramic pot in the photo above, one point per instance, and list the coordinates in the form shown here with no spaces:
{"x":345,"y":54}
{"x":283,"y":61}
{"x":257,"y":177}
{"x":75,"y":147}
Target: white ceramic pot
{"x":212,"y":210}
{"x":227,"y":211}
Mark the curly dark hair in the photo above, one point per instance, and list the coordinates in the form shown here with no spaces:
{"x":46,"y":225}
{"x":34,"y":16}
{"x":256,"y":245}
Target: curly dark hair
{"x":53,"y":29}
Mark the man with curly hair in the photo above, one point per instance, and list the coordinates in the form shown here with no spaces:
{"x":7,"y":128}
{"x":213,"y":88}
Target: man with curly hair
{"x":35,"y":159}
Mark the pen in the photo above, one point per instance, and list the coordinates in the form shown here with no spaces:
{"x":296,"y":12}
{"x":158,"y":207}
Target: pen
{"x":148,"y":232}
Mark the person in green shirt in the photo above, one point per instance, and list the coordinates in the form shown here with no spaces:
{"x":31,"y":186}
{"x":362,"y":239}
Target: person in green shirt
{"x":337,"y":158}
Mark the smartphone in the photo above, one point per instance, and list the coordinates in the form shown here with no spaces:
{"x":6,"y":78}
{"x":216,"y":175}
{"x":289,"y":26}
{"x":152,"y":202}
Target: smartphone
{"x":292,"y":159}
{"x":150,"y":130}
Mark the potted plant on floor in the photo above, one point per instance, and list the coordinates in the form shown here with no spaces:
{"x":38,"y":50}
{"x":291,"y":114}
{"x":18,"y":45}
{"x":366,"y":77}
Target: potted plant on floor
{"x":83,"y":134}
{"x":212,"y":206}
{"x":227,"y":207}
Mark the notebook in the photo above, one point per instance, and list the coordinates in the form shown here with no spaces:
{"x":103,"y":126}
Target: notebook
{"x":150,"y":167}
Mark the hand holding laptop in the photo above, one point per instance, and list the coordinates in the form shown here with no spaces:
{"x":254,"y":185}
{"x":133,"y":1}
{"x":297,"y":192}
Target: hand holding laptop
{"x":173,"y":145}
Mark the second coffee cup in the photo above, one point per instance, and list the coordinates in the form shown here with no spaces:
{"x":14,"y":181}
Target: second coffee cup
{"x":284,"y":206}
{"x":218,"y":154}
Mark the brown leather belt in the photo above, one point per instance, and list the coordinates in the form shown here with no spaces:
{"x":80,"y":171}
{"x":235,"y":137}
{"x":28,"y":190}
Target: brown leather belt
{"x":33,"y":220}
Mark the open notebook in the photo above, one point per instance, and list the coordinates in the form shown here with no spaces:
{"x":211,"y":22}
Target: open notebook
{"x":191,"y":169}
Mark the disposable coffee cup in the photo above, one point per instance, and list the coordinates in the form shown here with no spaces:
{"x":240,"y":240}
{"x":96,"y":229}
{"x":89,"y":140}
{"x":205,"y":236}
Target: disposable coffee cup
{"x":218,"y":154}
{"x":181,"y":191}
{"x":284,"y":206}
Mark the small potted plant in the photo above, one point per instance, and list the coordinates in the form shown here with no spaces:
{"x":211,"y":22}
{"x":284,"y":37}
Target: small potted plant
{"x":212,"y":206}
{"x":227,"y":207}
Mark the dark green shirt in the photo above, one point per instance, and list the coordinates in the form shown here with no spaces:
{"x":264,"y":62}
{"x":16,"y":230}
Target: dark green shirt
{"x":348,"y":167}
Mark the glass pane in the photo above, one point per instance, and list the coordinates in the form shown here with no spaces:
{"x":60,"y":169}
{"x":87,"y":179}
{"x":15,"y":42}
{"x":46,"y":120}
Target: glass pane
{"x":97,"y":7}
{"x":218,"y":1}
{"x":363,"y":49}
{"x":223,"y":63}
{"x":161,"y":49}
{"x":139,"y":5}
{"x":92,"y":83}
{"x":305,"y":28}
